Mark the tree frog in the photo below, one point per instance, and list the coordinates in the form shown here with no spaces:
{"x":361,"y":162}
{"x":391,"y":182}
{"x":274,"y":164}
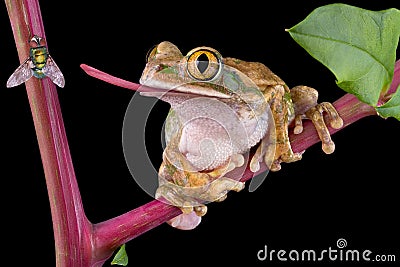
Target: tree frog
{"x":220,"y":109}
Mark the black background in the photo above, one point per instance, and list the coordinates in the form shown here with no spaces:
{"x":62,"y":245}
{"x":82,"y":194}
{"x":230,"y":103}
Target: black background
{"x":350,"y":194}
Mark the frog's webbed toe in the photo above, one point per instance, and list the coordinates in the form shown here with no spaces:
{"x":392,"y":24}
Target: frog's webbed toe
{"x":218,"y":189}
{"x":335,"y":121}
{"x":306,"y":106}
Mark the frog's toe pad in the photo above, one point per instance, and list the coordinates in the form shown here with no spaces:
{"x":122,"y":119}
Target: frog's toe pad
{"x":187,"y":221}
{"x":328,"y":147}
{"x":200,"y":210}
{"x":316,"y":115}
{"x":237,"y":160}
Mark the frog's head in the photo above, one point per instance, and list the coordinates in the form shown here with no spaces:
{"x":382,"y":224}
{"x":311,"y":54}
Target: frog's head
{"x":168,"y":69}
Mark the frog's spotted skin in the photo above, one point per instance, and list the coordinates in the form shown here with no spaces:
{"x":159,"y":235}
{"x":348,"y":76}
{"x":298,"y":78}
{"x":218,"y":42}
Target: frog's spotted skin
{"x":212,"y":125}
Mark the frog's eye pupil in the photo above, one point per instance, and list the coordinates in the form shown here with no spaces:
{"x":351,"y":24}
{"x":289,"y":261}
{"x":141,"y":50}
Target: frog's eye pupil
{"x":203,"y":64}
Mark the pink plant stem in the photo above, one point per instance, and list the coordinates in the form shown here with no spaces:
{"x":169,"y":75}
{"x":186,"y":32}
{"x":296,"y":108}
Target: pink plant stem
{"x":113,"y":233}
{"x":72,"y":230}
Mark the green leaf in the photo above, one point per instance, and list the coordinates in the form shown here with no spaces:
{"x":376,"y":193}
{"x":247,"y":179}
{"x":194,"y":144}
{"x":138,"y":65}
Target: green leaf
{"x":357,"y":45}
{"x":121,"y":258}
{"x":392,"y":107}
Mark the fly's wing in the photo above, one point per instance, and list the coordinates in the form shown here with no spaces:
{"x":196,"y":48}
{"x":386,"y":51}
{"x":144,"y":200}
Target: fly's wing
{"x":52,"y":71}
{"x":21,"y":74}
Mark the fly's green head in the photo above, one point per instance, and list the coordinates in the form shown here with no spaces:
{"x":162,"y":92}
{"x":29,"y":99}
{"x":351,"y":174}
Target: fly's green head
{"x":37,"y":42}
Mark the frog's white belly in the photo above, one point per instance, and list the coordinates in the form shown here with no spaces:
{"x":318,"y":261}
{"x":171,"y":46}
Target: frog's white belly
{"x":212,"y":131}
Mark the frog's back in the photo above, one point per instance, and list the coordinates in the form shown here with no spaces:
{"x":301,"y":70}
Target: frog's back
{"x":260,"y":74}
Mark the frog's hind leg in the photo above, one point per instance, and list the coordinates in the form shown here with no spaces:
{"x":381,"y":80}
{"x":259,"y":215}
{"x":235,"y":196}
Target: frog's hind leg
{"x":219,"y":186}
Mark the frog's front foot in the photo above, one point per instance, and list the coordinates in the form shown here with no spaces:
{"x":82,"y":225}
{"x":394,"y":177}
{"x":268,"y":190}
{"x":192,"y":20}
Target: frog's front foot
{"x":316,"y":116}
{"x":306,"y":106}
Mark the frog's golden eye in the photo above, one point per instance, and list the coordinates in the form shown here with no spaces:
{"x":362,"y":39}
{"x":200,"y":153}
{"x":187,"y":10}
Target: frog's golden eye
{"x":204,"y":63}
{"x":151,"y":54}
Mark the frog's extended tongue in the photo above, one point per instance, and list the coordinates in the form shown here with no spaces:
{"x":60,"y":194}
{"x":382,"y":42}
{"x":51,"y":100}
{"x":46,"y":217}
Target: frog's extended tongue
{"x":160,"y":89}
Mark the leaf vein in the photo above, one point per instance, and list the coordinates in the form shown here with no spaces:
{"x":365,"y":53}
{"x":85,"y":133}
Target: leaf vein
{"x":348,"y":44}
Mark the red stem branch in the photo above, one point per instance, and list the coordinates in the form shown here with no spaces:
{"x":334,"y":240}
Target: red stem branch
{"x":71,"y":228}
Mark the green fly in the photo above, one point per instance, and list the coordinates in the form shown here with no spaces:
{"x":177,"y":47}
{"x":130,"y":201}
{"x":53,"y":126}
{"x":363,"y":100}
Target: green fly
{"x":39,"y":64}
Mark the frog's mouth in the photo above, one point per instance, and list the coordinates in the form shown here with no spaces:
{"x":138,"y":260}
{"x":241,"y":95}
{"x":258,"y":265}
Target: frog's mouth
{"x":189,"y":90}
